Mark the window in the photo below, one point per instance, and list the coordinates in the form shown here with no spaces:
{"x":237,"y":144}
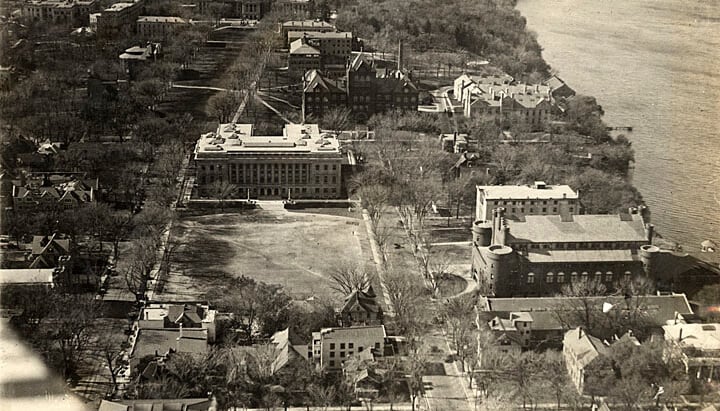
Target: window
{"x":598,"y":276}
{"x":627,"y":275}
{"x":332,"y":354}
{"x":351,"y":345}
{"x":332,"y":363}
{"x":561,"y":277}
{"x":332,"y":346}
{"x":317,"y":167}
{"x":549,"y":278}
{"x":544,"y":210}
{"x":342,"y":354}
{"x":342,"y":346}
{"x":531,"y":278}
{"x":585,"y":275}
{"x":608,"y":276}
{"x":377,"y":346}
{"x":573,"y":277}
{"x":360,"y":349}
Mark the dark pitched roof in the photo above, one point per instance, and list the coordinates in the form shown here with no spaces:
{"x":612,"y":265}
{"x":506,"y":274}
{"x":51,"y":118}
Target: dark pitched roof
{"x":313,"y":80}
{"x":364,"y":299}
{"x":360,"y":62}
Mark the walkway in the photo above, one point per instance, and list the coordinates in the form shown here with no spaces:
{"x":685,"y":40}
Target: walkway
{"x":199,"y":87}
{"x":273,"y":109}
{"x":379,"y":263}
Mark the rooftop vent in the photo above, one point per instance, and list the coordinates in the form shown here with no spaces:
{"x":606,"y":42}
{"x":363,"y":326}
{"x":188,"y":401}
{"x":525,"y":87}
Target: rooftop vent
{"x":540,"y":185}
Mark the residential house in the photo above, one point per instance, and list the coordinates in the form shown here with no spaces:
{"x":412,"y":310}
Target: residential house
{"x":288,"y":350}
{"x":542,"y":321}
{"x":696,"y":345}
{"x":163,"y":329}
{"x":584,"y":355}
{"x":36,"y":192}
{"x":454,"y":143}
{"x":361,"y":308}
{"x":331,"y":347}
{"x":46,"y":251}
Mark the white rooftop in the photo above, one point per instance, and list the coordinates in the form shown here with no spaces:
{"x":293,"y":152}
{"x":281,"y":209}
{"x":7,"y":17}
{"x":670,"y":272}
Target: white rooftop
{"x":233,"y":138}
{"x":701,"y":336}
{"x":519,"y":192}
{"x":26,"y":276}
{"x":160,"y":19}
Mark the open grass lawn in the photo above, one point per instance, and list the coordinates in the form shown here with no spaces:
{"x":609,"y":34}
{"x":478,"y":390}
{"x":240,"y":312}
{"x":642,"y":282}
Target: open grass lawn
{"x":295,"y":250}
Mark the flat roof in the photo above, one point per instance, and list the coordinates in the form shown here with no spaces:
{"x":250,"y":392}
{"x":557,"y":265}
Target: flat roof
{"x":580,"y":256}
{"x":307,"y":23}
{"x":26,"y":276}
{"x":701,"y":336}
{"x":321,"y":35}
{"x":659,"y":307}
{"x":119,"y":6}
{"x":579,"y":228}
{"x":160,"y":19}
{"x":232,"y":138}
{"x":521,"y":192}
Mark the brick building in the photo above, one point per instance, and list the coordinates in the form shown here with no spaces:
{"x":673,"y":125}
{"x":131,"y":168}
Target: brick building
{"x":363,"y":90}
{"x":538,"y":254}
{"x":302,"y":163}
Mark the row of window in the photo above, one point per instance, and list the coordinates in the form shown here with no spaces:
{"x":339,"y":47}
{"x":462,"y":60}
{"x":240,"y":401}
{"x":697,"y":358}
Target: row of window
{"x":273,"y":167}
{"x":551,"y":277}
{"x":614,"y":245}
{"x":524,"y":202}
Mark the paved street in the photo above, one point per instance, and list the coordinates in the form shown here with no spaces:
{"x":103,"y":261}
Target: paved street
{"x":446,"y":388}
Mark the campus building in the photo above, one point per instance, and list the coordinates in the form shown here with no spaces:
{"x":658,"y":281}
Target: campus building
{"x":300,"y":163}
{"x":293,"y":6}
{"x":497,"y":95}
{"x":327,"y":52}
{"x":362,"y":90}
{"x":522,"y":200}
{"x":244,"y":9}
{"x":62,"y":12}
{"x":697,"y":346}
{"x":537,"y":254}
{"x":119,"y":19}
{"x":303,"y":26}
{"x":158,"y":28}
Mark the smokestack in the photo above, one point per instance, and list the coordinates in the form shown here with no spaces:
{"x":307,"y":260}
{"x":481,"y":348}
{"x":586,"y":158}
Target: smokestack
{"x":650,"y":231}
{"x":400,"y":55}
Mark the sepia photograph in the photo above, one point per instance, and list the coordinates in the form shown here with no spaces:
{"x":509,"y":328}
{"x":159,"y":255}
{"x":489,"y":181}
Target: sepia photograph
{"x":357,"y":205}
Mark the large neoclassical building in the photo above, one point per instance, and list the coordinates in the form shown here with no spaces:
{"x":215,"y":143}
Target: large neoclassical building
{"x":300,"y":163}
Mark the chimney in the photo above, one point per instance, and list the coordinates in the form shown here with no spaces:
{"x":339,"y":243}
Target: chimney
{"x":650,"y":232}
{"x":680,"y":335}
{"x":400,"y":55}
{"x":580,"y":333}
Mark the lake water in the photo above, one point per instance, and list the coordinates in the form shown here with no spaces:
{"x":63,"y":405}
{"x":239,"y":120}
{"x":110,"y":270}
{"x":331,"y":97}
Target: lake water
{"x":653,"y":65}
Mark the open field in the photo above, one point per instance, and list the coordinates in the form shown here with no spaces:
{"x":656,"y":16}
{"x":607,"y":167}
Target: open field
{"x":295,"y":250}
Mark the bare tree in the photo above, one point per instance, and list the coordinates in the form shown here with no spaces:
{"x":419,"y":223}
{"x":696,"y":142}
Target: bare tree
{"x":224,"y":105}
{"x":347,"y":278}
{"x":336,"y":120}
{"x":222,"y":190}
{"x":404,"y":292}
{"x":110,"y":348}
